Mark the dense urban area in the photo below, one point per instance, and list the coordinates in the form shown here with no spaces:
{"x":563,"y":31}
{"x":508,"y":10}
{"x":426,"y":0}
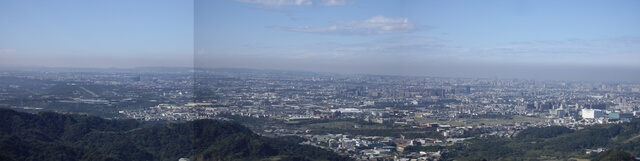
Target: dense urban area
{"x":365,"y":117}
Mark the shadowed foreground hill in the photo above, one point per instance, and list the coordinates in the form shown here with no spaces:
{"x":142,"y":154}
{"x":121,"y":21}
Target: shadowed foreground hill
{"x":558,"y":143}
{"x":52,"y":136}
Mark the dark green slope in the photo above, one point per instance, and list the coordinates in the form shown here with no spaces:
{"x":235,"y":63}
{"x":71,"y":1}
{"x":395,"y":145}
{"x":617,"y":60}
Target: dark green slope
{"x":556,"y":143}
{"x":614,"y":155}
{"x":51,"y":136}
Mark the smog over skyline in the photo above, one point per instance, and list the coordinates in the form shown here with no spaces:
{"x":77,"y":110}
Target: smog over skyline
{"x":568,"y":40}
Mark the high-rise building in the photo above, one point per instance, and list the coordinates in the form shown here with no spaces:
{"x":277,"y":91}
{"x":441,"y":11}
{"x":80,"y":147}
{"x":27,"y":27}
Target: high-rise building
{"x":468,"y":89}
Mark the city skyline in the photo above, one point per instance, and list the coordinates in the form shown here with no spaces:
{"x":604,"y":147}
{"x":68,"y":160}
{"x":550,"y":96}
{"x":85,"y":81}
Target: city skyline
{"x":569,"y":40}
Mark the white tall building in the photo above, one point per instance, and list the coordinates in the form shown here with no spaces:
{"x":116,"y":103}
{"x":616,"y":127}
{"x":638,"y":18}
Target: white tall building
{"x":593,"y":113}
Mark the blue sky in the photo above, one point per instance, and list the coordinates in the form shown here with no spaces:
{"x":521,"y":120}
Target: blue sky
{"x":79,"y":33}
{"x":508,"y":39}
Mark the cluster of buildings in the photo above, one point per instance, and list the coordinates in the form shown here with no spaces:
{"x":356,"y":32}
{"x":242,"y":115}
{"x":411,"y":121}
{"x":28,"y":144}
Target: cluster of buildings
{"x":371,"y":147}
{"x":457,"y":108}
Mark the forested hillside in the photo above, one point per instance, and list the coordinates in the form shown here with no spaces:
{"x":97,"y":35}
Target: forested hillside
{"x":52,"y":136}
{"x":557,"y":143}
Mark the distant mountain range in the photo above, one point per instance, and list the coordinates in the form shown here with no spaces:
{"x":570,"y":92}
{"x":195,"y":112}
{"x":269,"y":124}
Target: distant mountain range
{"x":53,"y":136}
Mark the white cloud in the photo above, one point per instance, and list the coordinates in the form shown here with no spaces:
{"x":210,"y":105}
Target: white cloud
{"x":280,"y":2}
{"x":571,"y":51}
{"x":373,"y":25}
{"x":626,"y":40}
{"x":414,"y":47}
{"x":276,"y":5}
{"x":298,"y":2}
{"x":333,"y":2}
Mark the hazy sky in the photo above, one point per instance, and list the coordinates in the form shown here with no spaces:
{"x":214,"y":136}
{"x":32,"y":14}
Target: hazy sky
{"x":519,"y":39}
{"x":592,"y":40}
{"x":96,"y":33}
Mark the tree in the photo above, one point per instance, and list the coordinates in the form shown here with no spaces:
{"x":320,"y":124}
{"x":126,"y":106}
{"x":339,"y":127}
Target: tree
{"x":615,"y":155}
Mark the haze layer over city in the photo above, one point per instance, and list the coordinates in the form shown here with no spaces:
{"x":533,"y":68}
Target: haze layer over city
{"x":319,"y":80}
{"x":568,"y":40}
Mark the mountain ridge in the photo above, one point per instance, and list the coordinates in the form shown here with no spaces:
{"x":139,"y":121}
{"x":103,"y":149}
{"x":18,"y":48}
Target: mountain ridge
{"x":53,"y":136}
